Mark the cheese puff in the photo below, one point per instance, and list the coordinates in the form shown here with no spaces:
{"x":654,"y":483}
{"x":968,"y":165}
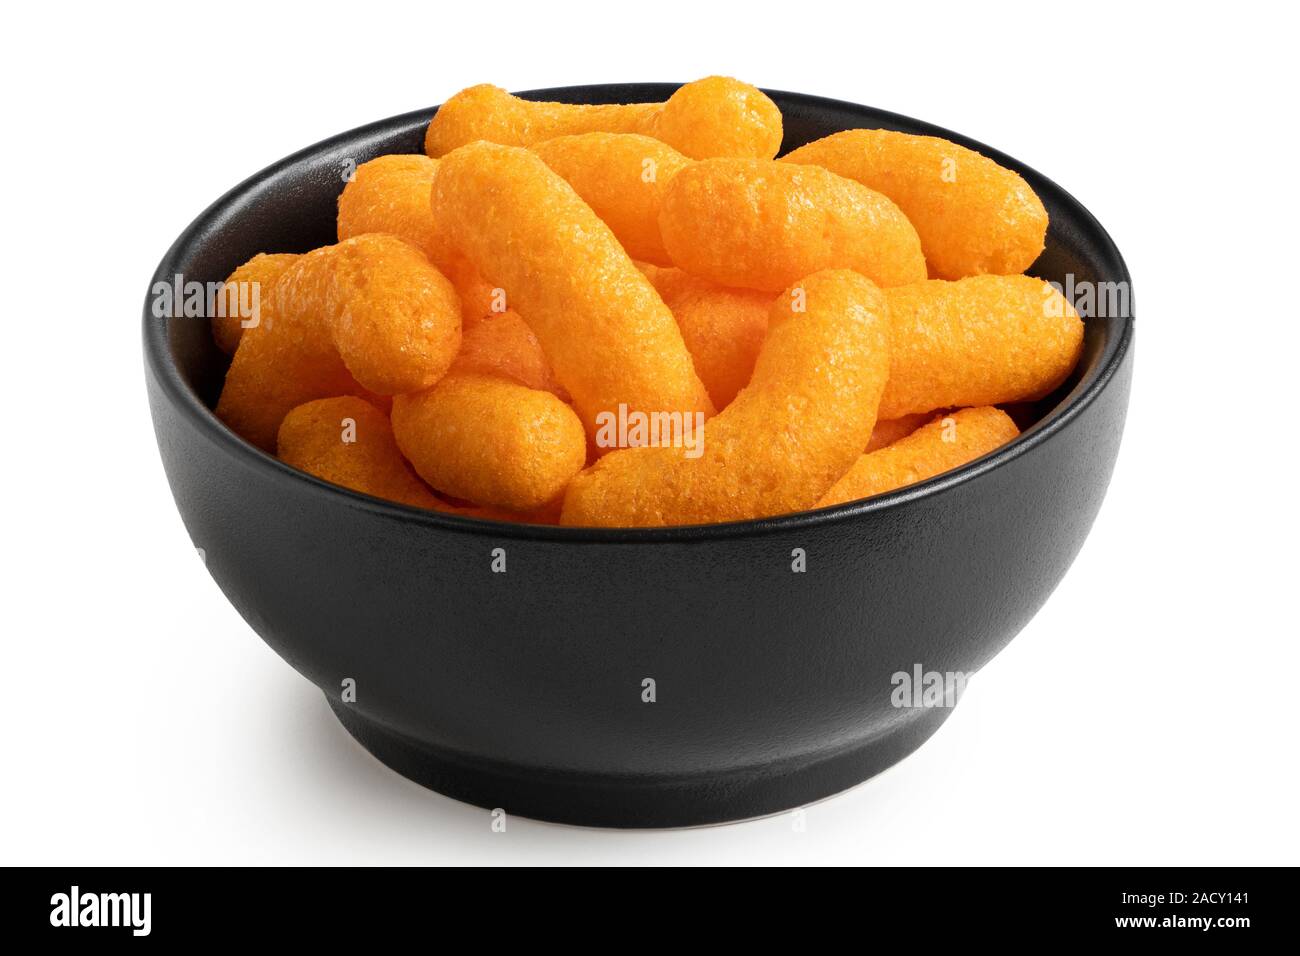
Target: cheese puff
{"x":390,"y":194}
{"x":610,"y":339}
{"x":281,"y":364}
{"x":942,"y":445}
{"x":489,"y":113}
{"x":367,"y":315}
{"x":621,"y":176}
{"x":890,"y":430}
{"x":716,"y":116}
{"x":723,"y":328}
{"x":719,"y":116}
{"x":490,"y":441}
{"x":801,"y":422}
{"x":973,"y":216}
{"x":979,"y":341}
{"x":349,"y":442}
{"x":394,"y":317}
{"x":261,"y":272}
{"x":479,"y":299}
{"x":761,"y":224}
{"x":312,"y":439}
{"x":503,"y":344}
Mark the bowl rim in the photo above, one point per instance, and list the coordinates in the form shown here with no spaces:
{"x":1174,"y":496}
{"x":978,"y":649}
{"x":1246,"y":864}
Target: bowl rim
{"x":183,"y":398}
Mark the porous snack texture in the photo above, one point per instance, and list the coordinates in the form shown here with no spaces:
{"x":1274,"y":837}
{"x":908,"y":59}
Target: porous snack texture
{"x":608,"y":335}
{"x":635,"y":315}
{"x":763,"y":225}
{"x":932,"y":449}
{"x":715,"y":116}
{"x":803,"y":419}
{"x":973,"y":216}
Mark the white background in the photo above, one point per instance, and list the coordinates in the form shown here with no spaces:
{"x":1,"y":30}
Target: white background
{"x":1146,"y":715}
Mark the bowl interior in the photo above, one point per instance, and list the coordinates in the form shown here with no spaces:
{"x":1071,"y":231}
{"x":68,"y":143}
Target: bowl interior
{"x":291,"y":207}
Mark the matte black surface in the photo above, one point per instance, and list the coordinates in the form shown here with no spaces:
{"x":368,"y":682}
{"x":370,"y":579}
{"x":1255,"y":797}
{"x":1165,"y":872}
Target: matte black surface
{"x":522,"y":690}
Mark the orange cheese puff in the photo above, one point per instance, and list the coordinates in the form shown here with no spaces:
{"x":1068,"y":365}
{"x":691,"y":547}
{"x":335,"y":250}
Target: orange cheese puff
{"x":369,"y":314}
{"x":261,"y":273}
{"x":890,"y":430}
{"x":487,"y":112}
{"x":490,"y":441}
{"x":503,"y":344}
{"x":978,"y":341}
{"x":942,"y":445}
{"x":349,"y":442}
{"x":390,"y":194}
{"x":394,"y":317}
{"x":719,"y":116}
{"x":283,"y":362}
{"x":478,"y":297}
{"x":608,"y":336}
{"x":761,"y":224}
{"x":973,"y":216}
{"x":801,"y":422}
{"x":723,"y":328}
{"x":716,"y":116}
{"x":622,"y":177}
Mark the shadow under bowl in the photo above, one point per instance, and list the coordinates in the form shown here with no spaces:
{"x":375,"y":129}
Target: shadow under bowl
{"x":511,"y":665}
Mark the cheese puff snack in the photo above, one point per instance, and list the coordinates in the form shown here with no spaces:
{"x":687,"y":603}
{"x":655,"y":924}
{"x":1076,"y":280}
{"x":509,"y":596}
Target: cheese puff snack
{"x":502,"y":344}
{"x":367,"y":315}
{"x":279,"y":366}
{"x":263,"y":270}
{"x":390,"y":194}
{"x":621,"y":176}
{"x":719,"y":116}
{"x":723,"y":328}
{"x":394,"y":317}
{"x":635,"y":316}
{"x":760,"y":224}
{"x":978,"y":341}
{"x":490,"y":441}
{"x":716,"y":116}
{"x":797,"y":426}
{"x":890,"y":430}
{"x":349,"y":442}
{"x":610,"y":339}
{"x":973,"y":216}
{"x":479,"y":298}
{"x":944,"y":444}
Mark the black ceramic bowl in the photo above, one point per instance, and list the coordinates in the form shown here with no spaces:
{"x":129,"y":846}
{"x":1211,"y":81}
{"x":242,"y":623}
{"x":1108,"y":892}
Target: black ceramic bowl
{"x":525,"y":690}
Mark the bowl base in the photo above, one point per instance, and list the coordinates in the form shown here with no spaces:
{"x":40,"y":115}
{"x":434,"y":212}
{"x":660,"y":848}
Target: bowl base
{"x":596,"y":800}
